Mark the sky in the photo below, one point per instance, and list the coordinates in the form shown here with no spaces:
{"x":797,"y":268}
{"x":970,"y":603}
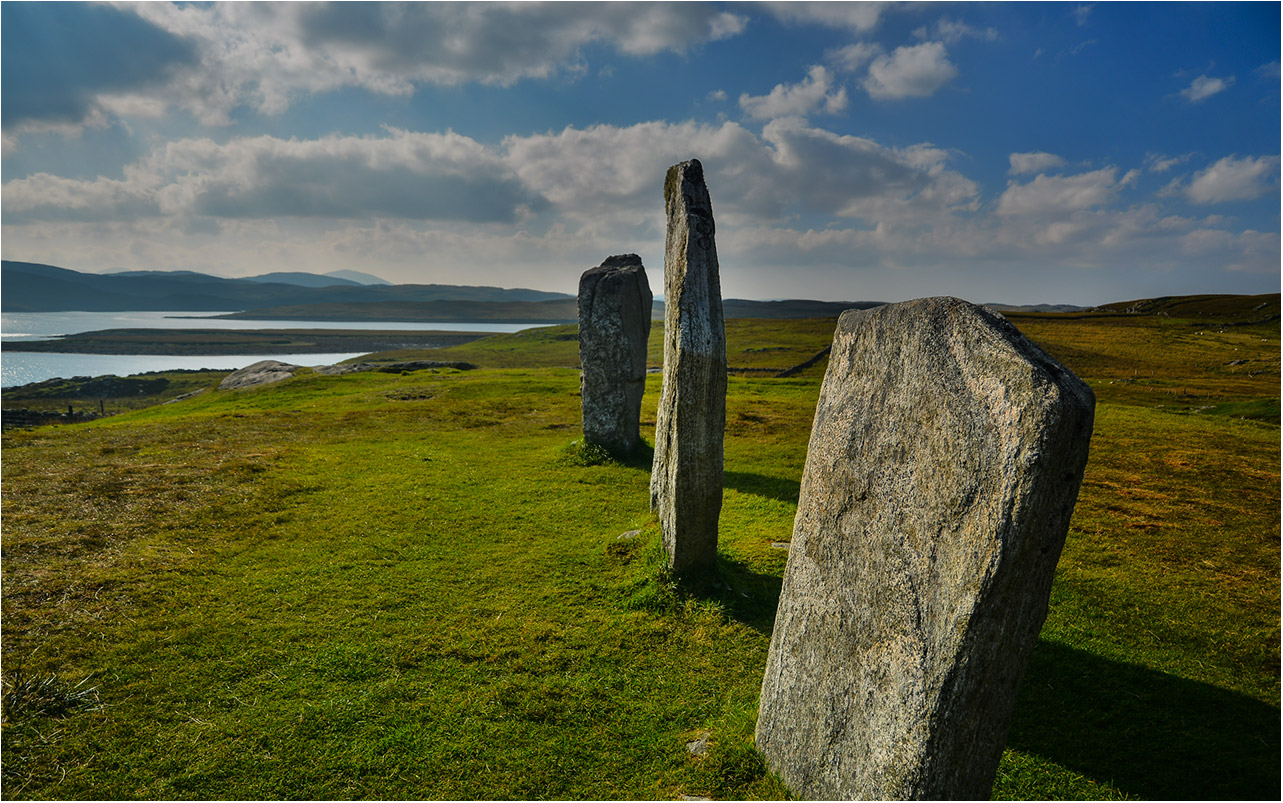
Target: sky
{"x":1076,"y":153}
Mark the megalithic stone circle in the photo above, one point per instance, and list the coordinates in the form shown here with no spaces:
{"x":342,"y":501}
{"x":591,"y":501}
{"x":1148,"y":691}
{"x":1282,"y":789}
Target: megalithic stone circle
{"x":686,"y":478}
{"x":944,"y":463}
{"x":614,"y":325}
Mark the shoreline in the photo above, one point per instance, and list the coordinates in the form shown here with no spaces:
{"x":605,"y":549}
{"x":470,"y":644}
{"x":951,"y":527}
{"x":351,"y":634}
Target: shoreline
{"x":235,"y":342}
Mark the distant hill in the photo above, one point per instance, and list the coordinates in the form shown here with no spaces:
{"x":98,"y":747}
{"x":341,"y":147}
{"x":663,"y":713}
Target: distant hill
{"x":561,"y":310}
{"x":789,"y":308}
{"x":1259,"y":307}
{"x":33,"y":287}
{"x":1035,"y":307}
{"x":357,"y":276}
{"x":302,"y":279}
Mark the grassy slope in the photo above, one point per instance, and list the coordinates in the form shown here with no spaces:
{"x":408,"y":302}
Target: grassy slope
{"x":400,"y":586}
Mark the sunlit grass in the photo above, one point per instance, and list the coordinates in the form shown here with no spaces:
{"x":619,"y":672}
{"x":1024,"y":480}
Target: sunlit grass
{"x":416,"y":586}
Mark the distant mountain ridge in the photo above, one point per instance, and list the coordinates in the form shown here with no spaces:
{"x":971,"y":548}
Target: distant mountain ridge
{"x":34,"y":287}
{"x":302,"y":279}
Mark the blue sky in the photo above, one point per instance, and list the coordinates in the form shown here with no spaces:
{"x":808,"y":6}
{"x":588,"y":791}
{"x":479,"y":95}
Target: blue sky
{"x":1023,"y":153}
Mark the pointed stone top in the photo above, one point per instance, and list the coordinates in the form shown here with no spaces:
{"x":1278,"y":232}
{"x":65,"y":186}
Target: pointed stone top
{"x":692,"y":168}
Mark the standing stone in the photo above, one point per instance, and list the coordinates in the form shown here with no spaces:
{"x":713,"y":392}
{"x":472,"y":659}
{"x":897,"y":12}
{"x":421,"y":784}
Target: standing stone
{"x":686,"y":479}
{"x":614,"y":325}
{"x":943,"y":467}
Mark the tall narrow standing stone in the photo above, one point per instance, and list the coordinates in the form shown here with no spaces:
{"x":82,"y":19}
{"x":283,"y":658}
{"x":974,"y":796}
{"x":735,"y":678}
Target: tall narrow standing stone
{"x":686,"y":479}
{"x":943,"y":467}
{"x":614,"y":325}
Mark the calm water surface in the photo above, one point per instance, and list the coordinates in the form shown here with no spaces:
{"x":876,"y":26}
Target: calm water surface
{"x":20,"y":368}
{"x":18,"y":326}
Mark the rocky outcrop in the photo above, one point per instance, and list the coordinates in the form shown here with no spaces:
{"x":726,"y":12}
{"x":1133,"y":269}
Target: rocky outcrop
{"x":263,"y":372}
{"x":944,"y":463}
{"x":686,"y":478}
{"x":339,"y":369}
{"x":614,"y":325}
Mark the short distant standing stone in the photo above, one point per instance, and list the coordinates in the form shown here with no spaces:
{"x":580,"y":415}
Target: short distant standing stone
{"x":943,"y":467}
{"x":686,"y":479}
{"x":614,"y":325}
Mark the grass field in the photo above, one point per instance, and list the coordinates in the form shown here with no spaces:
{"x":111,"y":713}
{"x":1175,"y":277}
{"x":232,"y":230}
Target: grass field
{"x":413,"y":586}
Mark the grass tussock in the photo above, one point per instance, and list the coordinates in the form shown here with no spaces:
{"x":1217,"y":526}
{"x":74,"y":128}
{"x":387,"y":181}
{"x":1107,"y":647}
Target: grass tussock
{"x":416,"y":586}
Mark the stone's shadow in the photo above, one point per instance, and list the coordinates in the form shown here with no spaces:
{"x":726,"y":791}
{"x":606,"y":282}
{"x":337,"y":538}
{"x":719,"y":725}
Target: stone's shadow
{"x":1150,"y":734}
{"x":641,"y":457}
{"x":746,"y":595}
{"x":761,"y":485}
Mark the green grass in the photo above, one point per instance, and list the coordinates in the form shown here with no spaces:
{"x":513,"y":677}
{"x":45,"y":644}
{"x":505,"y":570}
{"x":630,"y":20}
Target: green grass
{"x":753,"y":346}
{"x":414,"y":586}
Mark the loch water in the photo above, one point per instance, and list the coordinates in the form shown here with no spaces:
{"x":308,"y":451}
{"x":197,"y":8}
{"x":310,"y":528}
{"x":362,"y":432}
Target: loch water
{"x":23,"y":367}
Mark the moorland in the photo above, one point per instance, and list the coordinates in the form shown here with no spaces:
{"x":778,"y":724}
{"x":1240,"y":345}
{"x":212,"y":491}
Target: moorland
{"x":417,"y":586}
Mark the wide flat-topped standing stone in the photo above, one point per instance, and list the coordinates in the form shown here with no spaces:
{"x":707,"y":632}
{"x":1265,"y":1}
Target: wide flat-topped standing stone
{"x":614,"y":325}
{"x":944,"y":463}
{"x":686,"y":478}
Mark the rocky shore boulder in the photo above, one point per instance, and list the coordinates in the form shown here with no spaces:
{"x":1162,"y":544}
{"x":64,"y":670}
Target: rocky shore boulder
{"x":263,"y":372}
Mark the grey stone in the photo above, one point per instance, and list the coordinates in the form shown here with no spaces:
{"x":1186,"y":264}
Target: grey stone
{"x":185,"y":396}
{"x":263,"y":372}
{"x":944,"y":463}
{"x":699,"y":745}
{"x":614,"y":325}
{"x":686,"y":478}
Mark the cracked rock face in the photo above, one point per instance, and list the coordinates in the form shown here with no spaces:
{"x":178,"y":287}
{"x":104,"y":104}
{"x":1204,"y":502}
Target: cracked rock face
{"x":944,"y":463}
{"x":686,"y":478}
{"x":614,"y":325}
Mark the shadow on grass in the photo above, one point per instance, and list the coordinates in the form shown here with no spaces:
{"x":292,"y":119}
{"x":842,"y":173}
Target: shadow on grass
{"x":745,"y":595}
{"x":1150,"y":734}
{"x":761,"y":485}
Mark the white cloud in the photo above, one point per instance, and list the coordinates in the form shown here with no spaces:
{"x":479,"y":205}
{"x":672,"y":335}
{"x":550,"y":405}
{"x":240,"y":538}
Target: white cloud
{"x":1203,"y":87}
{"x":853,"y":56}
{"x":800,"y":210}
{"x":854,"y":177}
{"x":1055,"y":196}
{"x":952,"y":31}
{"x":812,"y":94}
{"x":610,"y":178}
{"x":1160,"y":163}
{"x":910,"y":71}
{"x":1083,"y":13}
{"x":1034,"y":162}
{"x":1234,"y":179}
{"x":859,"y":17}
{"x":401,"y":175}
{"x":265,"y":55}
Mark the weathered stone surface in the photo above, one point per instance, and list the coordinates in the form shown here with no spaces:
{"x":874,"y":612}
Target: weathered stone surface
{"x":686,"y":478}
{"x":614,"y":324}
{"x":944,"y":463}
{"x":263,"y":372}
